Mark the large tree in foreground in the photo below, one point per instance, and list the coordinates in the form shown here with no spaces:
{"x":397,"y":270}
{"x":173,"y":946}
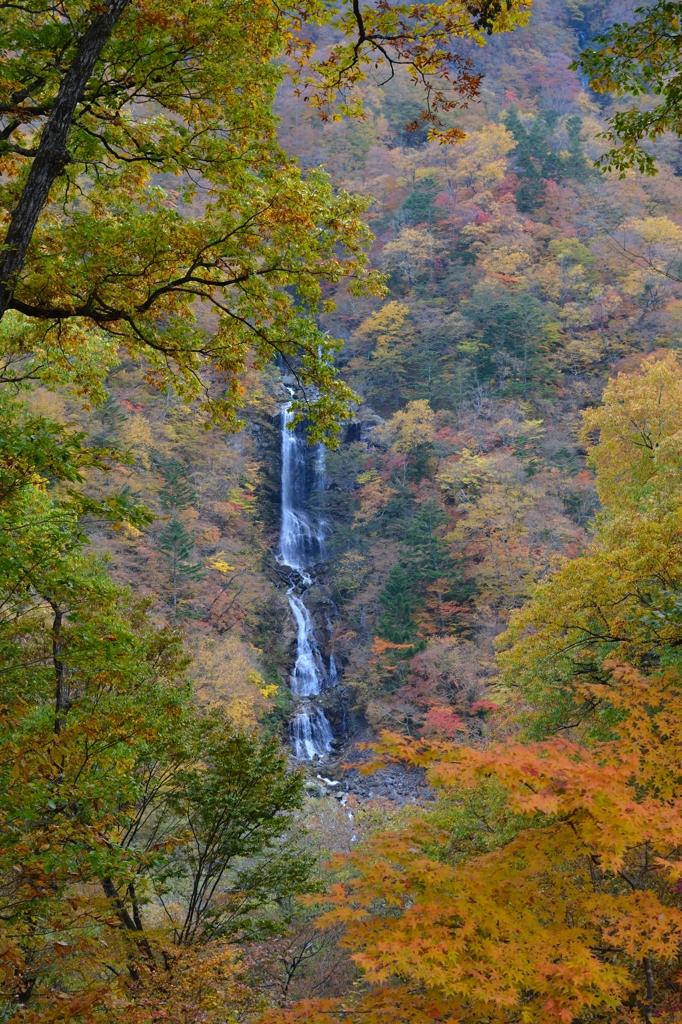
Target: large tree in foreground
{"x":137,"y":836}
{"x":146,"y":204}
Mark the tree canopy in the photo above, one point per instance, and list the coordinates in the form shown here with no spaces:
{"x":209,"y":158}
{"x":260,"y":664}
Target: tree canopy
{"x":639,"y":58}
{"x":114,"y":789}
{"x":146,"y":202}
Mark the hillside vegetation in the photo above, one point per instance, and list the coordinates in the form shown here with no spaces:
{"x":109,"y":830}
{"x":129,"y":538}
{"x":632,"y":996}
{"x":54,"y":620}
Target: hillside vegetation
{"x":477,"y":304}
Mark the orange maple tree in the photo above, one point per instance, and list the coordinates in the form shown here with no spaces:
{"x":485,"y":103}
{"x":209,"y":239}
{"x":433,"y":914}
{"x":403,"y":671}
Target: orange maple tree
{"x":545,"y":886}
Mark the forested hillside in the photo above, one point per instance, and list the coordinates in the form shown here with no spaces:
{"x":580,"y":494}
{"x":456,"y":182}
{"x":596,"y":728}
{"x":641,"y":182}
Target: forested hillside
{"x":514,"y":293}
{"x":340,"y":420}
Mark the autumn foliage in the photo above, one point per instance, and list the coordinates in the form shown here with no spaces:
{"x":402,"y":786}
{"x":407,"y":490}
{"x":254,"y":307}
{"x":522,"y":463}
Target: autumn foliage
{"x":573,"y":909}
{"x":544,"y":883}
{"x":251,"y":203}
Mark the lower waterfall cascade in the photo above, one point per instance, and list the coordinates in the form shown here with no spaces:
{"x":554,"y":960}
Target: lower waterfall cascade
{"x":301,"y":546}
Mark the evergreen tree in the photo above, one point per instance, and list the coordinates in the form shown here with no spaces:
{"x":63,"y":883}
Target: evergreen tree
{"x":397,"y":623}
{"x":434,"y":573}
{"x":427,"y":569}
{"x":512,"y":344}
{"x":536,"y":162}
{"x":429,"y":558}
{"x":552,"y":165}
{"x":419,"y":206}
{"x":176,"y":545}
{"x":177,"y":494}
{"x":514,"y":124}
{"x":529,"y":155}
{"x":111,"y":416}
{"x":575,"y":163}
{"x":174,"y":540}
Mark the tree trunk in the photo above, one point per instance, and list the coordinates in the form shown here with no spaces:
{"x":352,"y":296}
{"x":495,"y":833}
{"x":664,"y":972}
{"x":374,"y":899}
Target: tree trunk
{"x":61,"y":698}
{"x":52,"y":154}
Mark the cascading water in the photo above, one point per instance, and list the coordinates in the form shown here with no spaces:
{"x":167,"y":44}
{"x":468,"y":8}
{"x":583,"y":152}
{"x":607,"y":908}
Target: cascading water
{"x":301,"y":540}
{"x":307,"y":678}
{"x":311,"y":733}
{"x":301,"y":545}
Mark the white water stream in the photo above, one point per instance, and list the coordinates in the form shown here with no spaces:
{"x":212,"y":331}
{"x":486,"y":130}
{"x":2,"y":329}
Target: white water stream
{"x":301,"y":545}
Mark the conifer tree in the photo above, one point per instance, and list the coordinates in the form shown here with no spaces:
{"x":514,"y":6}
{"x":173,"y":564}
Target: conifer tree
{"x":177,"y":494}
{"x":397,"y":622}
{"x":576,"y":163}
{"x":427,"y":569}
{"x":429,"y":557}
{"x":537,"y":162}
{"x":111,"y":416}
{"x":174,"y":540}
{"x":528,"y":156}
{"x":177,"y":546}
{"x":513,"y":341}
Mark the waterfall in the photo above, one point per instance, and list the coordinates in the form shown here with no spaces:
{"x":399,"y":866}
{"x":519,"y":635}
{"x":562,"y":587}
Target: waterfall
{"x":302,"y":537}
{"x":311,"y":733}
{"x":307,"y":678}
{"x":301,"y":545}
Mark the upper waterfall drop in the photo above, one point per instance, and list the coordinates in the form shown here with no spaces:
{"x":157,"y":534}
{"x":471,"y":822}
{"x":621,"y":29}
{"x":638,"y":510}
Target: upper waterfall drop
{"x":301,"y":546}
{"x":302,"y":535}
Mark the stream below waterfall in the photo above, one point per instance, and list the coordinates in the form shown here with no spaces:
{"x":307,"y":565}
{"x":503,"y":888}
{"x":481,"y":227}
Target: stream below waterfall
{"x":301,"y":546}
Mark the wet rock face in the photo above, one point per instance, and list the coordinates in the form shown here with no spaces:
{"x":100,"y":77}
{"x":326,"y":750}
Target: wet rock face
{"x":353,"y":432}
{"x":341,"y":777}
